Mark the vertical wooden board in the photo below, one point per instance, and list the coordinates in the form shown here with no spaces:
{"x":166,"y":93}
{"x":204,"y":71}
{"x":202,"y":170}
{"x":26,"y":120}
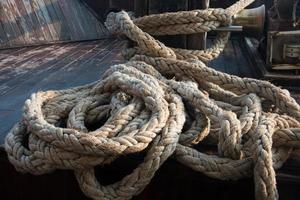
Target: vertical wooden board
{"x":100,"y":29}
{"x":26,"y":21}
{"x":63,"y":28}
{"x":43,"y":26}
{"x":197,"y":41}
{"x":158,"y":6}
{"x":27,"y":34}
{"x":12,"y":30}
{"x":141,"y":7}
{"x":54,"y":21}
{"x":96,"y":12}
{"x":94,"y":29}
{"x":4,"y":42}
{"x":48,"y":21}
{"x":4,"y":24}
{"x":77,"y":18}
{"x":85,"y":21}
{"x":40,"y":35}
{"x":76,"y":31}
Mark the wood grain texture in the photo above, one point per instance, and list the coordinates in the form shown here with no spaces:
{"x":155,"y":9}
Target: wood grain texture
{"x":33,"y":22}
{"x":9,"y":25}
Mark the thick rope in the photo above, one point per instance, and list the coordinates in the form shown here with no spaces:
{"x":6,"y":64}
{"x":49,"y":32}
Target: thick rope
{"x":163,"y":101}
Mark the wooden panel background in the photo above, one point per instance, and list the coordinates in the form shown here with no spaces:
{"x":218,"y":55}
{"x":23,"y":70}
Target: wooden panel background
{"x":30,"y":22}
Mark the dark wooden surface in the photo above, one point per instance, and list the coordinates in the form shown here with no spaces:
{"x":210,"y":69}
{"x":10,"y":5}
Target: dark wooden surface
{"x":31,"y":22}
{"x":27,"y":70}
{"x":59,"y":66}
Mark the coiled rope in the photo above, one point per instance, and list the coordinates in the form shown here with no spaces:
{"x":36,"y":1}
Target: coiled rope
{"x":136,"y":107}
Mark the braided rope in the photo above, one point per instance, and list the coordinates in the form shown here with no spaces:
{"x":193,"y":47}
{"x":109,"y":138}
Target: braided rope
{"x":134,"y":108}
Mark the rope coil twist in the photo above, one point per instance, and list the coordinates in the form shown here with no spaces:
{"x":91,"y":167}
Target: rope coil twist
{"x":134,"y":107}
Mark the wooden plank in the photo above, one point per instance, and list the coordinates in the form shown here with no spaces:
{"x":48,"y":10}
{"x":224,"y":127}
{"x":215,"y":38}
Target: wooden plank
{"x":91,"y":25}
{"x":15,"y":58}
{"x":85,"y":21}
{"x":198,"y":40}
{"x":33,"y":17}
{"x":96,"y":12}
{"x":4,"y":53}
{"x":23,"y":73}
{"x":19,"y":92}
{"x":158,"y":6}
{"x":4,"y":42}
{"x":32,"y":22}
{"x":11,"y":28}
{"x":53,"y":75}
{"x":42,"y":22}
{"x":26,"y":22}
{"x":53,"y":19}
{"x":62,"y":26}
{"x":26,"y":67}
{"x":101,"y":30}
{"x":5,"y":26}
{"x":27,"y":34}
{"x":85,"y":65}
{"x":76,"y":30}
{"x":14,"y":102}
{"x":44,"y":14}
{"x":31,"y":80}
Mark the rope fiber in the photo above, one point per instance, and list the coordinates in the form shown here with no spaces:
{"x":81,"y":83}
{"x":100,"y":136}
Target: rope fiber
{"x":162,"y":101}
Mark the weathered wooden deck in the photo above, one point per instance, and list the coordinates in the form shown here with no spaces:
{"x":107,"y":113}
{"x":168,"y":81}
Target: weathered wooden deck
{"x":58,"y":66}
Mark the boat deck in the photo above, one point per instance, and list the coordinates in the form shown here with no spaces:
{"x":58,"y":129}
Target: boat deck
{"x":58,"y":66}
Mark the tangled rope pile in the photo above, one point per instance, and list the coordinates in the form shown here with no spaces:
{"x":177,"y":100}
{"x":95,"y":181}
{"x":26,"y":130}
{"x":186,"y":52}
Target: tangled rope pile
{"x":162,"y":101}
